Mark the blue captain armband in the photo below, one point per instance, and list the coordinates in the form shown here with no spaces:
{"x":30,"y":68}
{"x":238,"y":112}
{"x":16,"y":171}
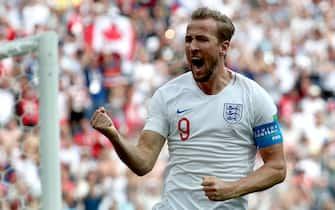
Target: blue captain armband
{"x":267,"y":134}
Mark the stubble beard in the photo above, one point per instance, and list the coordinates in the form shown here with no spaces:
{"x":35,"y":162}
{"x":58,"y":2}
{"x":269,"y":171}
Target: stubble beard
{"x":209,"y":74}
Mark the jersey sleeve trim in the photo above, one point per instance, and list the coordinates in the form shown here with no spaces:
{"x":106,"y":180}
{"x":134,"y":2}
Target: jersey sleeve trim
{"x":155,"y":124}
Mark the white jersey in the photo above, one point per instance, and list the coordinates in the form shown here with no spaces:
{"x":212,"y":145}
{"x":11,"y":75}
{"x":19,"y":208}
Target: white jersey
{"x":208,"y":135}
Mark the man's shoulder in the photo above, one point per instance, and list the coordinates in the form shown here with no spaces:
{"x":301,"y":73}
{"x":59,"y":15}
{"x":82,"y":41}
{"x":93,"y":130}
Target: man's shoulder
{"x":246,"y":82}
{"x":182,"y":80}
{"x":253,"y":89}
{"x":244,"y":79}
{"x":175,"y":87}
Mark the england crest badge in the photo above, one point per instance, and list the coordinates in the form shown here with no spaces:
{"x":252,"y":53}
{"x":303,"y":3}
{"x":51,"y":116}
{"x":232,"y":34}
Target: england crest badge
{"x":232,"y":113}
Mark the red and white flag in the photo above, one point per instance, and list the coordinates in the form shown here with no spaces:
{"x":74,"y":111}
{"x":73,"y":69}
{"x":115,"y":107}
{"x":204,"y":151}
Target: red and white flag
{"x":114,"y":33}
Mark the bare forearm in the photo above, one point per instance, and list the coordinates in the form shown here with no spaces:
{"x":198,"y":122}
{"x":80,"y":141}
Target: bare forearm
{"x":263,"y":178}
{"x":140,"y":158}
{"x":129,"y":153}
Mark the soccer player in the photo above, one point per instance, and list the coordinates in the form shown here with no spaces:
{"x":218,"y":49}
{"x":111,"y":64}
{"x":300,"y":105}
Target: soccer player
{"x":214,"y":121}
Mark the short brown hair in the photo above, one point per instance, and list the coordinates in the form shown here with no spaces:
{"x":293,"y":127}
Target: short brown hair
{"x":224,"y":24}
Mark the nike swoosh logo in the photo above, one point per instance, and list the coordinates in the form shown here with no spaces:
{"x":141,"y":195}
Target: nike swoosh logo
{"x":182,"y":111}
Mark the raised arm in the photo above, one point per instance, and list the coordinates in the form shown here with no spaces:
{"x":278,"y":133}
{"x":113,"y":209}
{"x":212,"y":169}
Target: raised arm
{"x":139,"y":158}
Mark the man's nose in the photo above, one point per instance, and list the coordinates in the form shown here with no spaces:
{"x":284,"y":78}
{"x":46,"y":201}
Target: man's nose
{"x":194,"y":45}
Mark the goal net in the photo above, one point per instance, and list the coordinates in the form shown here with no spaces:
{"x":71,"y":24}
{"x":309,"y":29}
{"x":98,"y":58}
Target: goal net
{"x":29,"y":127}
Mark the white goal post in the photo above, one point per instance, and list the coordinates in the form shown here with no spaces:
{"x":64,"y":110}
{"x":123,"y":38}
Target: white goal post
{"x":46,"y":45}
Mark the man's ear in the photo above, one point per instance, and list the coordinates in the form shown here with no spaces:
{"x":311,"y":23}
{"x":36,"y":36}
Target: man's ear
{"x":224,"y":47}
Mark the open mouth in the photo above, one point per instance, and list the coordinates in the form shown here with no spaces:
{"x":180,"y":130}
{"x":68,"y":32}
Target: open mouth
{"x":198,"y":62}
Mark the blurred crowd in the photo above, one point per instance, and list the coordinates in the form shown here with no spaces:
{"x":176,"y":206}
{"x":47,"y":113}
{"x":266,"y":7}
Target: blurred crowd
{"x":116,"y":53}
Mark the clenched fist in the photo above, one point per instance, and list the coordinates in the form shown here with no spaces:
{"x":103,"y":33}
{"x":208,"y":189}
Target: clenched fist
{"x":101,"y":121}
{"x":216,"y":189}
